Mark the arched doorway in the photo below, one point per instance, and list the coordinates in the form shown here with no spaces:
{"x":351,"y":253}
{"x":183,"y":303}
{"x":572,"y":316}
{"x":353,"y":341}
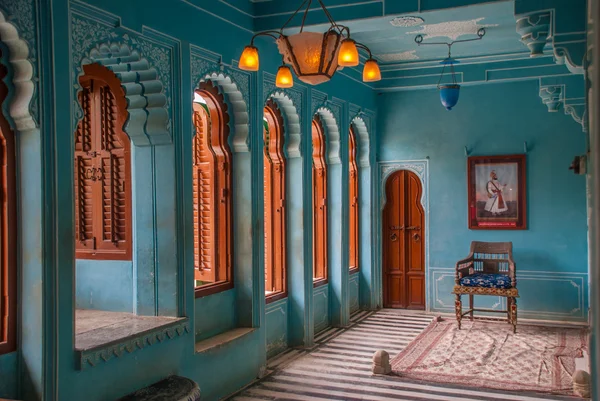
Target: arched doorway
{"x":403,"y":242}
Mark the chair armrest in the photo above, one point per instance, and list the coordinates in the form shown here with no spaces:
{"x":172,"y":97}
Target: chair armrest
{"x":512,"y":272}
{"x":462,"y":267}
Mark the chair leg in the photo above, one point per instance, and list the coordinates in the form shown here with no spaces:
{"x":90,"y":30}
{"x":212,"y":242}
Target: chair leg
{"x":508,"y":313}
{"x":471,"y":306}
{"x":513,"y":312}
{"x":458,"y":307}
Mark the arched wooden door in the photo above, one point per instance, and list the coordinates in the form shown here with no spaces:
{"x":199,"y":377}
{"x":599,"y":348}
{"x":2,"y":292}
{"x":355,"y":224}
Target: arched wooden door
{"x":403,"y":242}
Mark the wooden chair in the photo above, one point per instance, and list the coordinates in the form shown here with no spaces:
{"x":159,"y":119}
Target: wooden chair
{"x":488,"y":270}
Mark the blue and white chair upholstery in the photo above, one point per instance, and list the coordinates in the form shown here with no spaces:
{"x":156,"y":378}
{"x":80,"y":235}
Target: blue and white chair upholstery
{"x":488,"y":270}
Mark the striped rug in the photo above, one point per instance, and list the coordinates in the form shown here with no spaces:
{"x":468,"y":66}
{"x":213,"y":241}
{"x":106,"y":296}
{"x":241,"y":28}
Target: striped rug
{"x":339,"y":367}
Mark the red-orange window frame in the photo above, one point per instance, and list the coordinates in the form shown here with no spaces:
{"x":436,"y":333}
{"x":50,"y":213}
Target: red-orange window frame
{"x":221,"y":225}
{"x":275,"y":210}
{"x":8,"y":225}
{"x":113,"y":116}
{"x":353,"y":261}
{"x":319,"y":182}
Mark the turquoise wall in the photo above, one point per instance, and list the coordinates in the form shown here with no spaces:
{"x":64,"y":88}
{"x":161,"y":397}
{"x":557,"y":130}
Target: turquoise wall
{"x":182,"y":44}
{"x":495,"y":119}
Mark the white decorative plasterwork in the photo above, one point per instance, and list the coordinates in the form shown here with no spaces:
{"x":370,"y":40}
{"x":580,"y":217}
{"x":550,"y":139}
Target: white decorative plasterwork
{"x":17,"y":33}
{"x":291,"y":120}
{"x":143,"y":67}
{"x":402,"y":56}
{"x":332,"y":134}
{"x":452,"y":29}
{"x":363,"y":141}
{"x":406,"y":21}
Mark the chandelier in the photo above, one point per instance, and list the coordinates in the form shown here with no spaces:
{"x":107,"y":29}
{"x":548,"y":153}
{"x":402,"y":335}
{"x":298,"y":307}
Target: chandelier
{"x":314,"y":56}
{"x":449,"y":92}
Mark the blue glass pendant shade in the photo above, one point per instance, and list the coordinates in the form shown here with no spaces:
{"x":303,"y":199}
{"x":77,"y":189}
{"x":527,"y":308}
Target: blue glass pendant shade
{"x":449,"y":95}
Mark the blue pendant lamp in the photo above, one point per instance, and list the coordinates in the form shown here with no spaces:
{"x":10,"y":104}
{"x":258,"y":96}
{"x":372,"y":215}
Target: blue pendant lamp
{"x":449,"y":92}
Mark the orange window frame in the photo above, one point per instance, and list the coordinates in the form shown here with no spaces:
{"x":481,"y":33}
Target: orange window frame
{"x":102,"y":170}
{"x":8,"y":225}
{"x":319,"y":181}
{"x":213,"y":238}
{"x":353,"y":200}
{"x":274,"y":205}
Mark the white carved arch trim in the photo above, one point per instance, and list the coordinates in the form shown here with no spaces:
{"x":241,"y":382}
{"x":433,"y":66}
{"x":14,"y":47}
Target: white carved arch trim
{"x":22,"y":74}
{"x":363,"y":141}
{"x":292,"y":124}
{"x":238,"y":112}
{"x":332,"y":134}
{"x":148,"y":120}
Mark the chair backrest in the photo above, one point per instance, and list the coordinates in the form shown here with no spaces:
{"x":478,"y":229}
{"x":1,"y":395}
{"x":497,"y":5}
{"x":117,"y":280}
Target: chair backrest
{"x":491,"y":257}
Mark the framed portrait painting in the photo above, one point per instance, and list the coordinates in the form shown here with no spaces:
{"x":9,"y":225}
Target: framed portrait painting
{"x":497,"y":192}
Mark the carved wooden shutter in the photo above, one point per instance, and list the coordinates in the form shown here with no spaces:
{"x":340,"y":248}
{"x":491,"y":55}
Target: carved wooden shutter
{"x":102,"y":177}
{"x":353,"y":197}
{"x":274,"y":175}
{"x":204,"y":208}
{"x":319,"y":202}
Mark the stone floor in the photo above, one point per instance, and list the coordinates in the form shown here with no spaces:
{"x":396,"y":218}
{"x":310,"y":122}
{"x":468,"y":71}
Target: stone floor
{"x":339,"y":367}
{"x":94,"y":328}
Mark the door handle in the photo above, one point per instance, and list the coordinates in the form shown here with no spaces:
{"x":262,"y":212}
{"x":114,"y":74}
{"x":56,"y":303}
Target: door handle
{"x":416,"y":237}
{"x":393,"y":237}
{"x":396,"y":227}
{"x":413,"y":228}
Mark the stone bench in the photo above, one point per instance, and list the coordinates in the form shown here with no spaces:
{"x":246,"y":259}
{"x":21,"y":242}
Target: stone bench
{"x":173,"y":388}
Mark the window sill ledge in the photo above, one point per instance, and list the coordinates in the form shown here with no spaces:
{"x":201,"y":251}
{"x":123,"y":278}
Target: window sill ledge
{"x":92,"y":355}
{"x":222,"y":339}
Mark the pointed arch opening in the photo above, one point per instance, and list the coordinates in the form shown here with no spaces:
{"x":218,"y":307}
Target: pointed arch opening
{"x":8,"y":230}
{"x":319,"y":183}
{"x":274,"y":205}
{"x":212,"y":191}
{"x":103,"y":225}
{"x":353,"y":237}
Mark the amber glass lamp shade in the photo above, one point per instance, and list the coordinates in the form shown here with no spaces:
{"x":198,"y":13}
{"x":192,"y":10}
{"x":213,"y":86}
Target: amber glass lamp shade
{"x":249,"y":59}
{"x":348,"y":54}
{"x":284,"y":77}
{"x":371,"y":72}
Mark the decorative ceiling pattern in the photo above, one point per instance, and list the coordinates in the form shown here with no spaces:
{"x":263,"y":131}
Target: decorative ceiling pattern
{"x":407,"y":20}
{"x":403,"y":56}
{"x":451,"y":30}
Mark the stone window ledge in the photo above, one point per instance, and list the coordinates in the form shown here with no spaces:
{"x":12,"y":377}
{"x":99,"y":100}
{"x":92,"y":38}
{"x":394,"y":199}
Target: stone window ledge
{"x":222,"y":339}
{"x":97,"y":342}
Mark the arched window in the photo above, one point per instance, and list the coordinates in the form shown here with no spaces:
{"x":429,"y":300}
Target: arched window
{"x":102,"y":169}
{"x":274,"y":184}
{"x":8,"y":236}
{"x":319,"y":180}
{"x":213,"y":246}
{"x":353,"y":198}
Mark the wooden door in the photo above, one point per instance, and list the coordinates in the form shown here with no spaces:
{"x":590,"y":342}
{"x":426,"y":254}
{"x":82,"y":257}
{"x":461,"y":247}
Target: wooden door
{"x":403,"y":243}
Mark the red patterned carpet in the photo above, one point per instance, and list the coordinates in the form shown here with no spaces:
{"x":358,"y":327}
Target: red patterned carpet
{"x":488,"y":355}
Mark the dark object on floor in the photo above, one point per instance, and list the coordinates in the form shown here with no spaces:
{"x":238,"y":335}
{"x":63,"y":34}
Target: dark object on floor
{"x":173,"y":388}
{"x":488,"y":270}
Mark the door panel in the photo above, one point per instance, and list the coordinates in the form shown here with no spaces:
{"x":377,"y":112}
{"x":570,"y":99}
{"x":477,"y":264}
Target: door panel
{"x":403,"y":241}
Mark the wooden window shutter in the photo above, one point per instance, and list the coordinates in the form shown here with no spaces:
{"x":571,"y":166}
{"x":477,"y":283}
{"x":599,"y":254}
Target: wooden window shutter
{"x":8,"y":230}
{"x":319,"y":202}
{"x":353,"y":198}
{"x":213,"y":182}
{"x":102,"y":170}
{"x":204,"y":205}
{"x":275,"y":213}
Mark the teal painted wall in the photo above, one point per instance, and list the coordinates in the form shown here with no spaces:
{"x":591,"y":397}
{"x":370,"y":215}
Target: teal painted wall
{"x":9,"y":376}
{"x":104,"y":285}
{"x":551,"y":255}
{"x":276,"y":324}
{"x":353,"y":292}
{"x":321,"y":305}
{"x":218,"y":33}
